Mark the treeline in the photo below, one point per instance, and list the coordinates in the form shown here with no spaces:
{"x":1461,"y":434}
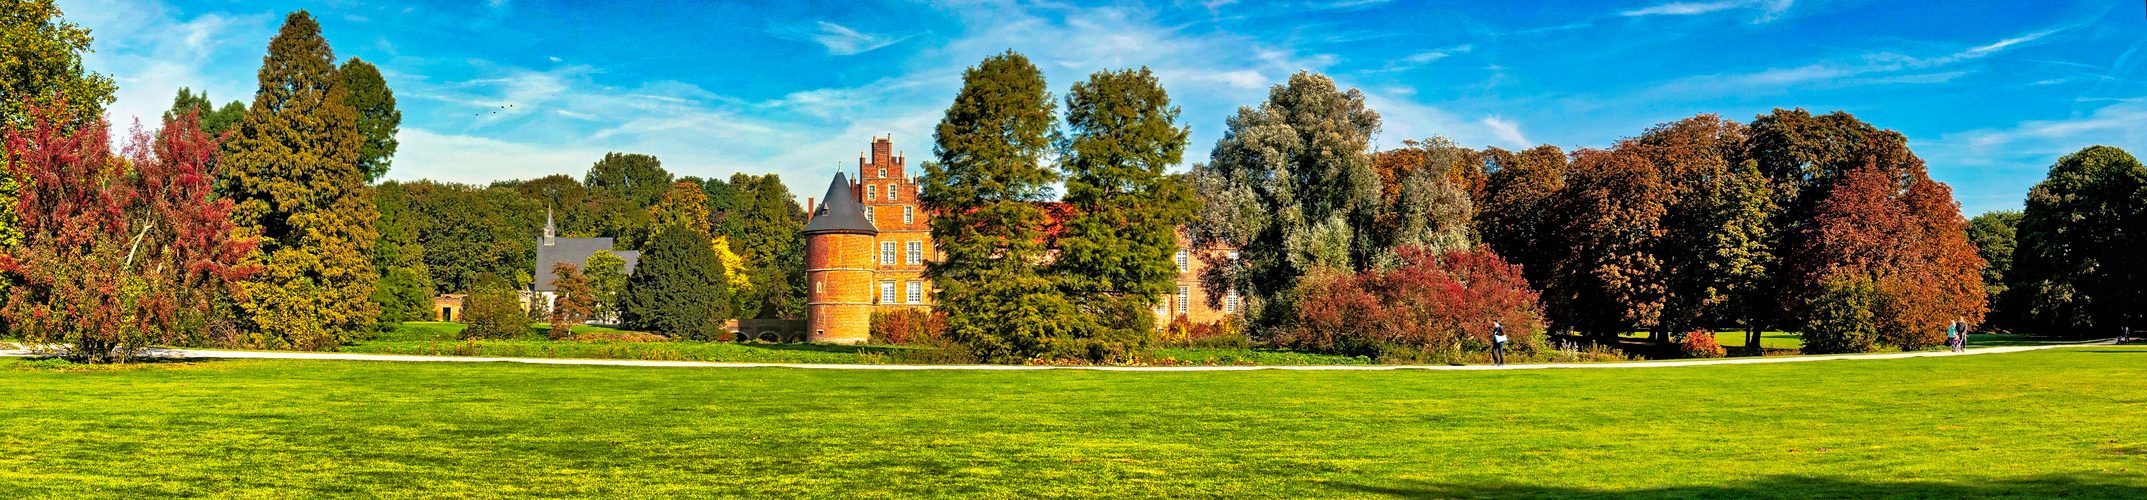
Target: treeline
{"x":260,"y":226}
{"x":2072,"y":264}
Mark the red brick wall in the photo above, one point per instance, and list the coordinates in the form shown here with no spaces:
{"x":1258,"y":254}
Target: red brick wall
{"x":838,"y":273}
{"x":892,"y":191}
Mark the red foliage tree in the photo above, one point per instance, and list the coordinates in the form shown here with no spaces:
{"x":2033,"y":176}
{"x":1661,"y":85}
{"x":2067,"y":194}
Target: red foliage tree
{"x":119,"y":253}
{"x":1890,"y":223}
{"x":574,"y":301}
{"x":1607,"y":275}
{"x":1433,"y":302}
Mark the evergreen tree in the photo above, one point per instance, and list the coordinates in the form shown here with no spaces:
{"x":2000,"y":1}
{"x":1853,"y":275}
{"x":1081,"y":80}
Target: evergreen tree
{"x":1117,"y":254}
{"x":764,"y":225}
{"x":989,"y":170}
{"x":377,"y":117}
{"x":294,"y":173}
{"x":1290,"y":185}
{"x":2078,"y":268}
{"x":677,"y":288}
{"x":213,"y":121}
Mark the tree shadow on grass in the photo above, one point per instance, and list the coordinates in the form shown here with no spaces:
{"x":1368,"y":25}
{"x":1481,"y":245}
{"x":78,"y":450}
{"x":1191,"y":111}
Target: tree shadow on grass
{"x":2133,"y":486}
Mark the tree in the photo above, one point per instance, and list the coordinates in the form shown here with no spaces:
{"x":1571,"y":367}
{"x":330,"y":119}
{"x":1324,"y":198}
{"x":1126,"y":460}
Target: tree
{"x":764,"y":225}
{"x":466,"y":232}
{"x":493,"y":312}
{"x":119,"y":253}
{"x":989,"y":151}
{"x":683,"y":206}
{"x":403,"y":294}
{"x":377,"y":117}
{"x":294,"y":175}
{"x":1117,"y":253}
{"x":41,"y":57}
{"x":1512,"y":216}
{"x":1423,"y":199}
{"x":1290,"y":186}
{"x":637,"y":178}
{"x":607,"y":279}
{"x":1608,"y":275}
{"x":677,"y":288}
{"x":213,"y":121}
{"x":1905,"y":247}
{"x":2078,"y":268}
{"x":575,"y":302}
{"x":1995,"y":235}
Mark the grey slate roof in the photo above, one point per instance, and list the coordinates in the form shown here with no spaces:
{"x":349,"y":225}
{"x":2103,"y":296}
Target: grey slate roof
{"x":840,"y":212}
{"x":576,"y":251}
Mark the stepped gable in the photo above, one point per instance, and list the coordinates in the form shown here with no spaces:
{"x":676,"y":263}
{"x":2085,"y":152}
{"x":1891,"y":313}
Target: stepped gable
{"x":840,"y":212}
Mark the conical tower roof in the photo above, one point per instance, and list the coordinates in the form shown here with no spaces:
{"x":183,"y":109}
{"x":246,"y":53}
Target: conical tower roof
{"x":840,"y":212}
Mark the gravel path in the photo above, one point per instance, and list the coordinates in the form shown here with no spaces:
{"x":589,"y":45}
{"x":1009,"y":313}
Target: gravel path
{"x":198,"y":353}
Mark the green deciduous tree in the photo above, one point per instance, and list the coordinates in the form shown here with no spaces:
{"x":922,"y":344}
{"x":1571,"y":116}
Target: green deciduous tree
{"x":214,"y":121}
{"x":1290,"y":186}
{"x":377,"y":117}
{"x":763,"y":223}
{"x":1995,"y":235}
{"x":1423,"y":202}
{"x":990,"y":149}
{"x":678,"y":287}
{"x":637,"y":178}
{"x":607,"y":278}
{"x":1117,"y":252}
{"x":2079,"y":267}
{"x":493,"y":311}
{"x":293,"y":170}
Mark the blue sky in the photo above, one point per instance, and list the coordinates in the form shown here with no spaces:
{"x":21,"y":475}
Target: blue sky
{"x":1989,"y":93}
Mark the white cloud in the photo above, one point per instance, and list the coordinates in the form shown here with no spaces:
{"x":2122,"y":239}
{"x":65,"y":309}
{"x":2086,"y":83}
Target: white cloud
{"x":425,"y":154}
{"x":1507,"y":132}
{"x":838,"y":39}
{"x":1768,"y":9}
{"x":151,"y":50}
{"x":1883,"y":68}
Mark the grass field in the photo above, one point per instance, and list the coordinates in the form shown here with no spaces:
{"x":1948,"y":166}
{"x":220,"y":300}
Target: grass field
{"x":2043,"y":424}
{"x":1790,"y":340}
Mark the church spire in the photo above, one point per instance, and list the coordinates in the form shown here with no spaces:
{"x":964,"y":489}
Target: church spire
{"x":551,"y":232}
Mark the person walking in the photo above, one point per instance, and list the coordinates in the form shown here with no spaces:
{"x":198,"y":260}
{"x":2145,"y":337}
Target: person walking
{"x":1498,"y":344}
{"x":1953,"y":335}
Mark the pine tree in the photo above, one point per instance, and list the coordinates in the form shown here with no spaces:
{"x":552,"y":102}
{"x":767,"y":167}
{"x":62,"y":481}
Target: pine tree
{"x":990,"y":148}
{"x":293,"y":170}
{"x":1117,"y":253}
{"x":377,"y":117}
{"x":677,"y":288}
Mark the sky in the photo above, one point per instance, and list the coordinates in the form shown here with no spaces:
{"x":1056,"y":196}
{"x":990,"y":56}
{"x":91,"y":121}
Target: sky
{"x":1990,"y":94}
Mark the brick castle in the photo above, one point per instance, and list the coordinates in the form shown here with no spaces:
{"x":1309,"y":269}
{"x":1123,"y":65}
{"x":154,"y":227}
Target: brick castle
{"x":868,"y":240}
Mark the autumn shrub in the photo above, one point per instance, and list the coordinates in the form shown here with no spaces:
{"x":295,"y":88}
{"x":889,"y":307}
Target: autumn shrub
{"x":909,"y":327}
{"x":1220,"y":334}
{"x":493,"y":312}
{"x":1701,"y":344}
{"x":1433,"y":306}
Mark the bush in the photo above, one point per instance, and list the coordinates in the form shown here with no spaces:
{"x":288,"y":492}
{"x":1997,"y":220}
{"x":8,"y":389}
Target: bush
{"x":909,"y":327}
{"x":493,"y":312}
{"x":1432,"y":307}
{"x":1226,"y":333}
{"x":1842,"y":319}
{"x":1701,"y":344}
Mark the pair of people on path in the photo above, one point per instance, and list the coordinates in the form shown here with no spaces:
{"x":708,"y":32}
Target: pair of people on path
{"x":1498,"y":344}
{"x":1957,"y":335}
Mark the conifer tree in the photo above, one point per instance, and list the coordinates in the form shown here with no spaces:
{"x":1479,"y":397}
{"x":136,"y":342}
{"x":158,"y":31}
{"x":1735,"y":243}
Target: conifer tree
{"x":989,"y":170}
{"x":214,"y":121}
{"x":1117,"y":254}
{"x":377,"y":117}
{"x":764,"y":227}
{"x":677,"y":288}
{"x":293,"y":169}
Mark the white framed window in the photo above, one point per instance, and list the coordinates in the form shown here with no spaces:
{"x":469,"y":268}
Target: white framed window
{"x":1184,"y":263}
{"x":887,"y":292}
{"x":1163,"y":306}
{"x":883,"y":175}
{"x":890,"y":191}
{"x":872,"y":192}
{"x":916,"y":292}
{"x":1230,"y":302}
{"x":916,"y":252}
{"x":909,"y":214}
{"x":868,"y":215}
{"x":887,"y":252}
{"x":1185,"y":294}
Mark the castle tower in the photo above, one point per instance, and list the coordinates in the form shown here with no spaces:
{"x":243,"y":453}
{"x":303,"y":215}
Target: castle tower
{"x":839,"y":268}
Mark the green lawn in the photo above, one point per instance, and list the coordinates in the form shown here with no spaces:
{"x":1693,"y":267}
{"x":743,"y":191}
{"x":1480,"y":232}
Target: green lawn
{"x":2043,"y":424}
{"x":1790,"y":340}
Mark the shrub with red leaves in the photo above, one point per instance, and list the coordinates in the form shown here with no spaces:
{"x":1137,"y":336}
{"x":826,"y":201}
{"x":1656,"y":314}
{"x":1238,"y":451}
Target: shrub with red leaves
{"x":1701,"y":344}
{"x":909,"y":327}
{"x":1433,"y":302}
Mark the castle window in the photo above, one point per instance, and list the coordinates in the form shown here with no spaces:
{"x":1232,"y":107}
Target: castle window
{"x":819,"y":286}
{"x":916,"y":252}
{"x":883,"y":174}
{"x":1185,"y":294}
{"x":868,"y":216}
{"x":887,"y":292}
{"x":1183,"y":265}
{"x":909,"y":215}
{"x":890,"y":191}
{"x":1230,"y":302}
{"x":872,"y":192}
{"x":916,"y":292}
{"x":887,"y":252}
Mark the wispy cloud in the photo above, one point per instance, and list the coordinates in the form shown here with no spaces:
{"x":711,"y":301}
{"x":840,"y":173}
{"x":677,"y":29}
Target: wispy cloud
{"x":838,"y":39}
{"x":1835,"y":74}
{"x":1768,"y":9}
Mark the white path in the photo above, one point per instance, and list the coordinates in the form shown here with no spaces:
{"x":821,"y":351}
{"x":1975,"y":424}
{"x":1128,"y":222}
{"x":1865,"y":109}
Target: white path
{"x":199,"y":353}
